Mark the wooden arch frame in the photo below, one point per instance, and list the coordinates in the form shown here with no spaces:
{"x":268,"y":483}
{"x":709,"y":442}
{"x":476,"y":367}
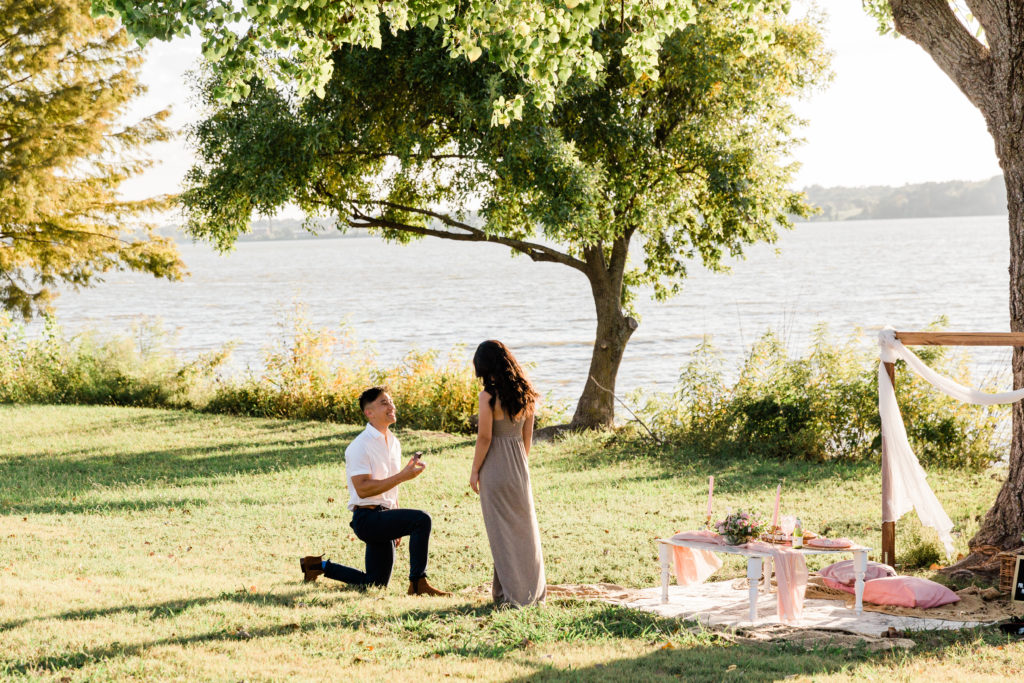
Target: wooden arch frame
{"x":929,"y":339}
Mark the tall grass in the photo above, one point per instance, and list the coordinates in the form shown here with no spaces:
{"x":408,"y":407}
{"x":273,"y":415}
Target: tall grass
{"x":313,"y":374}
{"x":318,"y":374}
{"x":137,"y":369}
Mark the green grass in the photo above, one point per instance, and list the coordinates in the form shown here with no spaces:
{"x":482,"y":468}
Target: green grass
{"x":158,"y":545}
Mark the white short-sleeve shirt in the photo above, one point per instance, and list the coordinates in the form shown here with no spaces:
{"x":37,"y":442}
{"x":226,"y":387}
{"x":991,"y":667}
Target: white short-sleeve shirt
{"x":369,"y":453}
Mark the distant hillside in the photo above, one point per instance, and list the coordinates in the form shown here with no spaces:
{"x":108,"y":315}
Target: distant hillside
{"x":266,"y":229}
{"x":273,"y":229}
{"x":926,"y":200}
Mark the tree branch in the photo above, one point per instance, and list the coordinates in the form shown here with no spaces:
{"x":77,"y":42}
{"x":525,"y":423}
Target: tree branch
{"x":623,"y":404}
{"x":537,"y":252}
{"x":66,"y":231}
{"x":932,"y":25}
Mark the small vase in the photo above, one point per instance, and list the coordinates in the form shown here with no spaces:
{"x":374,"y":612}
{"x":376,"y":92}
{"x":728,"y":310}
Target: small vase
{"x":734,"y":540}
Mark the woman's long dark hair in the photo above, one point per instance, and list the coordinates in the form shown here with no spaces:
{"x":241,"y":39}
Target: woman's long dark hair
{"x":503,"y":378}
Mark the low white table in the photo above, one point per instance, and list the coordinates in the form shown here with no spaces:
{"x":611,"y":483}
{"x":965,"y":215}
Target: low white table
{"x":755,"y":566}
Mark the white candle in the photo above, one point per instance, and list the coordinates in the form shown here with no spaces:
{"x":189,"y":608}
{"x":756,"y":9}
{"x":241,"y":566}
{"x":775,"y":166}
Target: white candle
{"x":711,"y":490}
{"x":775,"y":516}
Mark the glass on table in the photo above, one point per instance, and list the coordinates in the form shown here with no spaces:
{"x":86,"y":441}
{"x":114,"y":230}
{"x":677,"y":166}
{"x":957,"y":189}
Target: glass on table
{"x":786,"y":524}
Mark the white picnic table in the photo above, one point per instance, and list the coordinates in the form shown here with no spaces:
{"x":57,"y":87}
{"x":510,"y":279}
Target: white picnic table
{"x":756,"y":568}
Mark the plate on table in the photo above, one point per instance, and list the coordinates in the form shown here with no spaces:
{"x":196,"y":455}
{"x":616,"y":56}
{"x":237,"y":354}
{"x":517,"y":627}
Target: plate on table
{"x":786,"y":539}
{"x":828,"y":543}
{"x":778,"y":539}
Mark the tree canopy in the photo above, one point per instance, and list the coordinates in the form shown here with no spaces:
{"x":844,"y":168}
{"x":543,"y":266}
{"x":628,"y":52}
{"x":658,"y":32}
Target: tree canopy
{"x":541,"y":43}
{"x":623,"y":180}
{"x":65,"y":84}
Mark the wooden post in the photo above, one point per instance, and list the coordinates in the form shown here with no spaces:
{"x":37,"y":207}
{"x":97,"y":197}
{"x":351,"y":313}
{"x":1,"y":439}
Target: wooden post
{"x":888,"y":528}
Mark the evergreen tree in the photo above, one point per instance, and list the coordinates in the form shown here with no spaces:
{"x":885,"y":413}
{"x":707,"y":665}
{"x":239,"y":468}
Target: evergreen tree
{"x":66,"y":82}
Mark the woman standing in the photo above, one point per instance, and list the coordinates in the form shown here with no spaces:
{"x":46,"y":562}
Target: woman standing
{"x":502,"y":477}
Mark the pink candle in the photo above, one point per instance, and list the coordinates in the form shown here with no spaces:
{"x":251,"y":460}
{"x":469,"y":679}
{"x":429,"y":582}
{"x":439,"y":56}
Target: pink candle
{"x":711,"y":490}
{"x":775,"y":516}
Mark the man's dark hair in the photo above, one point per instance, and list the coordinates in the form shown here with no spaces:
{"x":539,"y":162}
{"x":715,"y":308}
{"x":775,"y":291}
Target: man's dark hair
{"x":370,"y":395}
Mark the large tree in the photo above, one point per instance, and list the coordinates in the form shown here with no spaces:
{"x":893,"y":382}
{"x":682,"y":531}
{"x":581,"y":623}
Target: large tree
{"x":66,"y":82}
{"x":623,"y":180}
{"x":979,"y":44}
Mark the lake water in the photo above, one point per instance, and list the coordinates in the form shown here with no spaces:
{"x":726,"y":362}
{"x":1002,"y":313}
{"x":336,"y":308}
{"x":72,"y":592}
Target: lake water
{"x":438,"y":294}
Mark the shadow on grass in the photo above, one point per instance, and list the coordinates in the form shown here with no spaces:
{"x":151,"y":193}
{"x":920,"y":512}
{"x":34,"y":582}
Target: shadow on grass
{"x":168,"y":609}
{"x":49,"y":483}
{"x":498,"y":630}
{"x":63,"y":507}
{"x":53,"y":483}
{"x":704,"y":663}
{"x":488,"y":632}
{"x":721,"y":660}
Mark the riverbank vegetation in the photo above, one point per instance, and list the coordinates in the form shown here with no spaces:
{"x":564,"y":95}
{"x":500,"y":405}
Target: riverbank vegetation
{"x":823,"y":405}
{"x":309,"y":374}
{"x":819,"y":405}
{"x":154,"y":544}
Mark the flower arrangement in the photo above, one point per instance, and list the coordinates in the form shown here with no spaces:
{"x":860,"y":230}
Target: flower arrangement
{"x":739,"y":527}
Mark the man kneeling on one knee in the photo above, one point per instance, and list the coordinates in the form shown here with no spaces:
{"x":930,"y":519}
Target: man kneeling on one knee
{"x":373,"y":466}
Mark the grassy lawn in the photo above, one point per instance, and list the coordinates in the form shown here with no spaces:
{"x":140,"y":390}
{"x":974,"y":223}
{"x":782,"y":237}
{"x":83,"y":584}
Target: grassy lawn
{"x":157,"y":545}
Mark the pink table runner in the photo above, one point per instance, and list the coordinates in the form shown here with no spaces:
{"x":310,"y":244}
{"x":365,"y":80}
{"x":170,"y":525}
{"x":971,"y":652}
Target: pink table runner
{"x":694,"y":566}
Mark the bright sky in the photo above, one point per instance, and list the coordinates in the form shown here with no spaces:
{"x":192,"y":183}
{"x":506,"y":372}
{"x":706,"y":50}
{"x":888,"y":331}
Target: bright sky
{"x":889,"y":116}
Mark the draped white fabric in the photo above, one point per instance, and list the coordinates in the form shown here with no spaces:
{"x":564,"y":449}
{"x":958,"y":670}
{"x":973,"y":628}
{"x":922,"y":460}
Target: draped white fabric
{"x":909,"y":488}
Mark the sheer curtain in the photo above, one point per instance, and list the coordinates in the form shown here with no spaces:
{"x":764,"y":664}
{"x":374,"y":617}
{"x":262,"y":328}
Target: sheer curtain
{"x":909,"y":489}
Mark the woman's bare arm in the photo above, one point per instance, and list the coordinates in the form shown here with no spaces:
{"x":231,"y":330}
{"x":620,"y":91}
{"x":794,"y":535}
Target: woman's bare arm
{"x":528,"y":430}
{"x":484,"y":427}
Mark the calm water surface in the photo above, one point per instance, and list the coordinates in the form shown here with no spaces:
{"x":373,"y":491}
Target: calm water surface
{"x":437,"y":294}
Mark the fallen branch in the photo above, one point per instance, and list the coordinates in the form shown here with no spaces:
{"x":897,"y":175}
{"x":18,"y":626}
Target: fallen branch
{"x":623,"y":404}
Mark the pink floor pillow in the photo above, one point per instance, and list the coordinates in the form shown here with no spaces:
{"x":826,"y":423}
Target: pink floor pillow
{"x":908,"y":591}
{"x":842,"y":572}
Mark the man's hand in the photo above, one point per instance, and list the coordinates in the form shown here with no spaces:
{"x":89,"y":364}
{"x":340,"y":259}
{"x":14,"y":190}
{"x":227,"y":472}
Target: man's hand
{"x":474,"y":481}
{"x":413,"y":469}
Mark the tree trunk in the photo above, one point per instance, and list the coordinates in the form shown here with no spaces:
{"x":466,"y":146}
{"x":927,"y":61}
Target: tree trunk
{"x":596,"y":407}
{"x":1004,"y":523}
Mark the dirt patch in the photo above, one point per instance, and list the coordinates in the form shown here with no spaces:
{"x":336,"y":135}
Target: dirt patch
{"x":813,"y":638}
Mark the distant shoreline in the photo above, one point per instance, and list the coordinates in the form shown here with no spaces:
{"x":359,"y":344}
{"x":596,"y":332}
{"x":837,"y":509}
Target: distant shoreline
{"x":954,"y":198}
{"x":951,"y":199}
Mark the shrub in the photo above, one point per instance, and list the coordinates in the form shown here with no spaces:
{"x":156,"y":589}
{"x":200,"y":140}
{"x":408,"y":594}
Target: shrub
{"x":823,"y":406}
{"x":921,"y":555}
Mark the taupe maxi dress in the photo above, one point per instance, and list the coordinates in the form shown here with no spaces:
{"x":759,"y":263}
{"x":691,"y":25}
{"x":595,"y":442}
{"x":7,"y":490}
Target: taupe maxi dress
{"x":507,"y":502}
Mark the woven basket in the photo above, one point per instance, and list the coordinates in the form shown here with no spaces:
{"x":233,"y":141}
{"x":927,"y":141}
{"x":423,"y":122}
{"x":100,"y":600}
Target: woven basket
{"x":1006,"y":562}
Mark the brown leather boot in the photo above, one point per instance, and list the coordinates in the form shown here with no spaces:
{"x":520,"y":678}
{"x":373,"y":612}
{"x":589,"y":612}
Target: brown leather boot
{"x":312,"y":567}
{"x":422,"y":587}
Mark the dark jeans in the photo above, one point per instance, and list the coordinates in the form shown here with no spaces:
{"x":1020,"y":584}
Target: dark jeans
{"x":378,"y":529}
